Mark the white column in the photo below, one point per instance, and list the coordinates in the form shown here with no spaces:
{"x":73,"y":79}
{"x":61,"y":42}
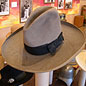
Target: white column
{"x":82,"y":78}
{"x":42,"y":79}
{"x":51,"y":78}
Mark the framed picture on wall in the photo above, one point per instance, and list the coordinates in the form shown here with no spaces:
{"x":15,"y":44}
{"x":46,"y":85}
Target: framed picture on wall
{"x":68,"y":4}
{"x":25,"y":9}
{"x":60,"y":4}
{"x":49,"y":1}
{"x":52,"y":1}
{"x":4,"y":7}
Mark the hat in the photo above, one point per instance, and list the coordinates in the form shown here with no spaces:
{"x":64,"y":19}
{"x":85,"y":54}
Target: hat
{"x":40,"y":46}
{"x":81,"y":59}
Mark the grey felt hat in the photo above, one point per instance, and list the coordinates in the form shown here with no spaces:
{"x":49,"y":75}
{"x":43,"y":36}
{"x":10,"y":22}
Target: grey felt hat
{"x":39,"y":45}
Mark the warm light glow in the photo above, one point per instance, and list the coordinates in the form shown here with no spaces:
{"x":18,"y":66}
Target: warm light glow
{"x":71,"y":11}
{"x":14,"y":16}
{"x":74,"y":10}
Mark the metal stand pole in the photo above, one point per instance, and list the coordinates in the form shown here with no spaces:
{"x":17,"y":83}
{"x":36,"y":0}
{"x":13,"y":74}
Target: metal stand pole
{"x":51,"y":78}
{"x":82,"y":78}
{"x":42,"y":79}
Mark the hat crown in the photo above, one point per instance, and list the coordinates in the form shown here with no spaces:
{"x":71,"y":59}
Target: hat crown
{"x":43,"y":28}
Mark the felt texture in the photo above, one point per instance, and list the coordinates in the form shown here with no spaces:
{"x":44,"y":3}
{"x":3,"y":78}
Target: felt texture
{"x":45,"y":27}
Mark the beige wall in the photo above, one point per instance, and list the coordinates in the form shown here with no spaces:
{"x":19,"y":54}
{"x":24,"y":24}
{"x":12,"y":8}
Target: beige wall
{"x":3,"y":33}
{"x":70,"y":18}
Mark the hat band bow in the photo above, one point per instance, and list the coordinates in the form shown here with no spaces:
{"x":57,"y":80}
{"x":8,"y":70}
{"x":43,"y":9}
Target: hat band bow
{"x":46,"y":48}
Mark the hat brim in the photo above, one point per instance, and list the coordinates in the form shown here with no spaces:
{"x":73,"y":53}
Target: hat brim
{"x":15,"y":55}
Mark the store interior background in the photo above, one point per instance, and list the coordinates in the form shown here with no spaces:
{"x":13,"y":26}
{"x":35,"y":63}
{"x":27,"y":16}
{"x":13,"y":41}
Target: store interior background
{"x":14,"y":16}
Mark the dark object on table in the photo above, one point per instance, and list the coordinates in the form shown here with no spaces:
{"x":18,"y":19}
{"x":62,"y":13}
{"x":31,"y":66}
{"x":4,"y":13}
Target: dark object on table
{"x":13,"y":77}
{"x":60,"y":83}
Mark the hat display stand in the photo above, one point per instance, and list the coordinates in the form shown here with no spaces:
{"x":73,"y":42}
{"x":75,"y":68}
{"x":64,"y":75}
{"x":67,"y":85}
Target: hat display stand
{"x":50,"y":78}
{"x":81,"y":60}
{"x":39,"y":31}
{"x":15,"y":27}
{"x":44,"y":79}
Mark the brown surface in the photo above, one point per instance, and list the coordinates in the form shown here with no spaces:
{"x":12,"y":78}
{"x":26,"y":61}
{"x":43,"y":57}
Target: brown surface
{"x":78,"y":21}
{"x":1,"y":62}
{"x":15,"y":27}
{"x":3,"y":33}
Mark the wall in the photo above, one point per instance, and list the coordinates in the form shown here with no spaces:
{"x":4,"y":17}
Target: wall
{"x":14,"y":16}
{"x":70,"y":13}
{"x":74,"y":10}
{"x":3,"y":34}
{"x":70,"y":18}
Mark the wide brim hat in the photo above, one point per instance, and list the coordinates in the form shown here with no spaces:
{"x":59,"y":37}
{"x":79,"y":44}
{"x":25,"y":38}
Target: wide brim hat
{"x":15,"y":54}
